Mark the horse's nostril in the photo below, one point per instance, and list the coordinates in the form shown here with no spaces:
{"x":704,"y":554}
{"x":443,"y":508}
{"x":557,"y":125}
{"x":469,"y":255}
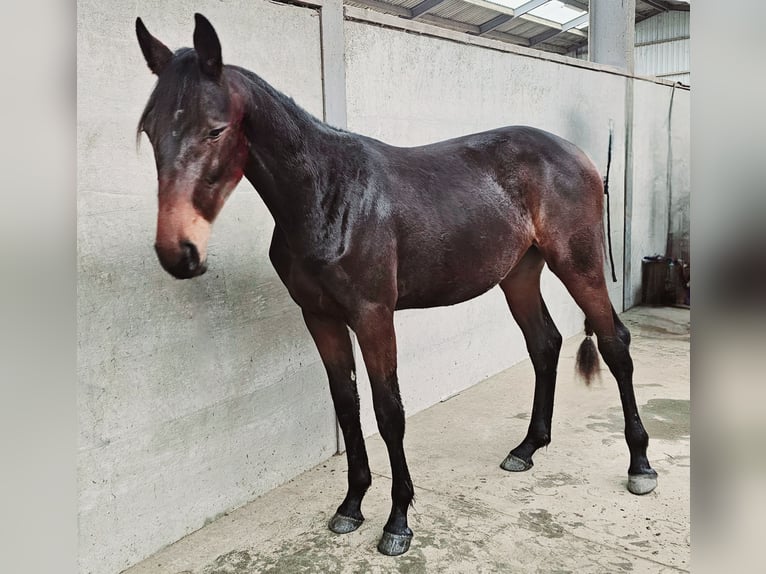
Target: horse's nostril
{"x":182,"y":262}
{"x":190,"y":255}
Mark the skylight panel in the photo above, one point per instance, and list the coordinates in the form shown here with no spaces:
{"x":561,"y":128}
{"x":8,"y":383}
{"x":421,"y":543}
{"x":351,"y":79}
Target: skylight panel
{"x":557,"y":12}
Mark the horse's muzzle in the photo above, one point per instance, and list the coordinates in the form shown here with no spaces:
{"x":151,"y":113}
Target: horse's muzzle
{"x":184,"y":263}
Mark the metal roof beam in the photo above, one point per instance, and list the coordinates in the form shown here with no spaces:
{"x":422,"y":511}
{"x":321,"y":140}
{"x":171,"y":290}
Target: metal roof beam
{"x":503,"y":18}
{"x":387,"y":8}
{"x":668,"y":5}
{"x":657,"y":5}
{"x":566,"y":26}
{"x":508,"y":38}
{"x":493,"y":23}
{"x":423,"y":7}
{"x":579,"y":4}
{"x":450,"y":24}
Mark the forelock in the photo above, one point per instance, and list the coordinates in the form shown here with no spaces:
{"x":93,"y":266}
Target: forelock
{"x":177,"y":89}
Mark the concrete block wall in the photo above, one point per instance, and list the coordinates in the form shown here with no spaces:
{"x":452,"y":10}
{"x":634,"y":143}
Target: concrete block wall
{"x":197,"y":396}
{"x":194,"y":396}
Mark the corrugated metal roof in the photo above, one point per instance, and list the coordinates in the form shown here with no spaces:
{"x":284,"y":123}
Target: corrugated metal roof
{"x":463,"y":12}
{"x":407,"y":3}
{"x":449,"y":8}
{"x":521,"y":27}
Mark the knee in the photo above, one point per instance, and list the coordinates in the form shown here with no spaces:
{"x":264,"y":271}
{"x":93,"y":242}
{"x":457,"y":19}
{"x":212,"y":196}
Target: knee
{"x":623,"y":334}
{"x":390,"y":425}
{"x":346,"y":407}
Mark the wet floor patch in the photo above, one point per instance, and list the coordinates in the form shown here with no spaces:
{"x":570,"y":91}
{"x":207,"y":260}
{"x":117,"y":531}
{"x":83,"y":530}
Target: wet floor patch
{"x":660,"y":324}
{"x":671,"y":331}
{"x":234,"y":562}
{"x":610,"y":422}
{"x":301,"y":554}
{"x":540,"y":520}
{"x":666,"y":418}
{"x":557,"y":479}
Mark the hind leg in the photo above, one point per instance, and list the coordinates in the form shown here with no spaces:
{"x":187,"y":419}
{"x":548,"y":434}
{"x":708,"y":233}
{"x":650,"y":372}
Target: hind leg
{"x":522,"y":291}
{"x":642,"y":479}
{"x":588,"y":288}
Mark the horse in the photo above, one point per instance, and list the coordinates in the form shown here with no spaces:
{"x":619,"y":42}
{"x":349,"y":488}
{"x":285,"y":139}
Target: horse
{"x":363,"y":229}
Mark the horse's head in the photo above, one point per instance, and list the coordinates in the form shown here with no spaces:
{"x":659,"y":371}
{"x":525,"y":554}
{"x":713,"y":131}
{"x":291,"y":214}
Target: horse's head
{"x":194,"y":121}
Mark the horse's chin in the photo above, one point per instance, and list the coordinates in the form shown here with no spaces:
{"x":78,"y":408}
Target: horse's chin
{"x":200,"y":271}
{"x":181,"y":271}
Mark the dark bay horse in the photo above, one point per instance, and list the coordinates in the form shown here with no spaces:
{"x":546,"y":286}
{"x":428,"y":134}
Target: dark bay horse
{"x":364,"y":228}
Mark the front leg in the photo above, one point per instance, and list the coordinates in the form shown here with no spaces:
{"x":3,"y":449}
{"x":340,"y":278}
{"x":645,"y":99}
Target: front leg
{"x":374,"y":327}
{"x":334,"y":345}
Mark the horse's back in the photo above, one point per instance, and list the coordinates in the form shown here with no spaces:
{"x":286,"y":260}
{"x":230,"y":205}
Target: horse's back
{"x":465,"y":210}
{"x":512,"y":156}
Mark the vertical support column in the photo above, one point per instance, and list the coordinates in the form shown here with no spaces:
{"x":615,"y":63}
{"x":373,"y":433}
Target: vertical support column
{"x":333,"y":62}
{"x":612,"y":32}
{"x":333,"y":43}
{"x":611,"y":40}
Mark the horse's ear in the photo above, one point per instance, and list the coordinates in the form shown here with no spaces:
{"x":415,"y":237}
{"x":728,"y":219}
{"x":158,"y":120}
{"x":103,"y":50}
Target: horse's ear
{"x":207,"y":46}
{"x":156,"y":53}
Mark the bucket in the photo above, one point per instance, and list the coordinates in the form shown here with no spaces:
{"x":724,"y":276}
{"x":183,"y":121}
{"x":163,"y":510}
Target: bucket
{"x":658,"y":281}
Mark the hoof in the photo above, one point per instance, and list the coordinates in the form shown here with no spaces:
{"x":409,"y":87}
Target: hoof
{"x":513,"y":463}
{"x":642,"y":483}
{"x":394,"y":544}
{"x":344,"y":524}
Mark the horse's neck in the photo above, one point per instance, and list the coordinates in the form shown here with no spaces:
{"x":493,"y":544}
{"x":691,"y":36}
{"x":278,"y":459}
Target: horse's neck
{"x":283,"y":165}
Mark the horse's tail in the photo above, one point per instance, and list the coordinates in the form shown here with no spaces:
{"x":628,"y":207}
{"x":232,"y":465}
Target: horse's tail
{"x":587,"y":356}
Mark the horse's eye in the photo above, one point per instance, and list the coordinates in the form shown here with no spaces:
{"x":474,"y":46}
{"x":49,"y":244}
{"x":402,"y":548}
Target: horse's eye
{"x":214,"y":134}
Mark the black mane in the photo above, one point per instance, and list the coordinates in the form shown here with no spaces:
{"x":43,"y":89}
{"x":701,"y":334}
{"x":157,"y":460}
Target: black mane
{"x":178,"y":85}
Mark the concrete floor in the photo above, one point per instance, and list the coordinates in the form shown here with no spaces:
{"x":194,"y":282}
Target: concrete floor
{"x":570,"y":513}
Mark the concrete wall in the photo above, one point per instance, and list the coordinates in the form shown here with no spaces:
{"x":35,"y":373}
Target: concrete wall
{"x":649,"y":206}
{"x":194,"y":396}
{"x":424,"y":89}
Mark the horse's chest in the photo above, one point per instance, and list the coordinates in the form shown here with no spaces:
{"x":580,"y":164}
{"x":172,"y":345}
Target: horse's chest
{"x":307,"y":290}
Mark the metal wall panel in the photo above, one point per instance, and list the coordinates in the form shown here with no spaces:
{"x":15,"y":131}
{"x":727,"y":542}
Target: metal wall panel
{"x":662,"y":27}
{"x":662,"y":47}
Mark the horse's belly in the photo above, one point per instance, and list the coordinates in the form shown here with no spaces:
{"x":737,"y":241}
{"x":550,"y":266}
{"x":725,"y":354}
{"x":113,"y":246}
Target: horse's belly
{"x":435,"y":298}
{"x":455,"y":276}
{"x":464,"y":243}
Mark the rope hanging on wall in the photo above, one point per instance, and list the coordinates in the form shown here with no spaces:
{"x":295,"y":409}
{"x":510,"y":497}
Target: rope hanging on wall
{"x":669,"y":177}
{"x":606,"y":193}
